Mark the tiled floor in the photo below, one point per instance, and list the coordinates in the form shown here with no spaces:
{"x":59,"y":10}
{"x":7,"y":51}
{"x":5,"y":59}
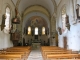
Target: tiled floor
{"x":35,"y":55}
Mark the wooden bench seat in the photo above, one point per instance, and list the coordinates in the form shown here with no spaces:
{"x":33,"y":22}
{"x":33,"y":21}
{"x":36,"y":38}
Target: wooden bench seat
{"x":62,"y":56}
{"x":53,"y":53}
{"x":11,"y":56}
{"x":15,"y":53}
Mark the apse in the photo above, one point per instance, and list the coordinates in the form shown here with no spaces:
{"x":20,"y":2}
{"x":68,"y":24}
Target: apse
{"x":36,"y":21}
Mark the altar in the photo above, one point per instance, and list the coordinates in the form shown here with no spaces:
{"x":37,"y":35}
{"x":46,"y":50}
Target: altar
{"x":36,"y":45}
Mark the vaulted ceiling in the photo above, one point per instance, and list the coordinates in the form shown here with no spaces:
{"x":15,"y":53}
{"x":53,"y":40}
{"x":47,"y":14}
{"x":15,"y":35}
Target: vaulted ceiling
{"x":22,"y":5}
{"x":57,"y":1}
{"x":15,"y":1}
{"x":42,"y":8}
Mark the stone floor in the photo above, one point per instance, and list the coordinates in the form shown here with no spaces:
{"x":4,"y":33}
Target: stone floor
{"x":35,"y":55}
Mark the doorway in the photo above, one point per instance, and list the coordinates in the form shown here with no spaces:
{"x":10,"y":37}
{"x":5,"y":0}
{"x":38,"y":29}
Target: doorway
{"x":65,"y":42}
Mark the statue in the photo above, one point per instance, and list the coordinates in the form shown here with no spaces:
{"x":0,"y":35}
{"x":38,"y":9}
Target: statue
{"x":3,"y":21}
{"x":59,"y":30}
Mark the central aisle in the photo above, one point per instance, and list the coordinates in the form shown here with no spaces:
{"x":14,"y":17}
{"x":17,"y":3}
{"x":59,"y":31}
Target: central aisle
{"x":35,"y":55}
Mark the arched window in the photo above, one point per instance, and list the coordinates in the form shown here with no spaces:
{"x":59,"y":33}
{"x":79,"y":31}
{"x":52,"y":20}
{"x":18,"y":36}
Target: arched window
{"x":43,"y":30}
{"x":36,"y":30}
{"x":29,"y":30}
{"x":63,"y":18}
{"x":7,"y":20}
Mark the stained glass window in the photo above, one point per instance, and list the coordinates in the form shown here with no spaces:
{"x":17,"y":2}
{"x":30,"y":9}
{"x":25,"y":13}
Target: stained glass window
{"x":29,"y":30}
{"x":36,"y":30}
{"x":43,"y":30}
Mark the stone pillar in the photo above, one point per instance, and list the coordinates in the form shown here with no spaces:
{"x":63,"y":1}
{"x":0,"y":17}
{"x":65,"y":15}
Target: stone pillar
{"x":52,"y":31}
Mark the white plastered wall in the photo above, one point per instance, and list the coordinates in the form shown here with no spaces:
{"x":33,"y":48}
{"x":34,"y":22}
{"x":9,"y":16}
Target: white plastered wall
{"x":5,"y":41}
{"x":73,"y":36}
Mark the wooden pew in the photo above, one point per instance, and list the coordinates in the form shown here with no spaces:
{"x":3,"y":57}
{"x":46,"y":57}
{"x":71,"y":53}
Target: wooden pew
{"x":62,"y":56}
{"x":12,"y":56}
{"x":15,"y":53}
{"x":50,"y":52}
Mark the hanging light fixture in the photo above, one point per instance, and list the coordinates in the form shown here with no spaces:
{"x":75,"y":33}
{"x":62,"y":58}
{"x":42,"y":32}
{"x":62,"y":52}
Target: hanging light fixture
{"x":16,"y":20}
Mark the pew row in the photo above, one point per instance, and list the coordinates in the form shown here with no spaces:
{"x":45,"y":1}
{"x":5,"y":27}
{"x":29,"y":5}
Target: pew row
{"x":15,"y":53}
{"x":52,"y":52}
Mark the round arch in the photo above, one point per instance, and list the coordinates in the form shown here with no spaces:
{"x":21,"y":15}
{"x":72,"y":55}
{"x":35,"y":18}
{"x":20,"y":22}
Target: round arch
{"x":36,"y":8}
{"x":33,"y":14}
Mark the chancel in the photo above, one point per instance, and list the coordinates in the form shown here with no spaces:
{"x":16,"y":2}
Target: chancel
{"x":39,"y":29}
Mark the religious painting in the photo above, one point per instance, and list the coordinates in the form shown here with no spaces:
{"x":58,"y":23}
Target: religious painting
{"x":36,"y":21}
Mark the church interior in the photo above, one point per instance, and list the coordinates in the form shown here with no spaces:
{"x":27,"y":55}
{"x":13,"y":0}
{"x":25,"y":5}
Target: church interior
{"x":39,"y":29}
